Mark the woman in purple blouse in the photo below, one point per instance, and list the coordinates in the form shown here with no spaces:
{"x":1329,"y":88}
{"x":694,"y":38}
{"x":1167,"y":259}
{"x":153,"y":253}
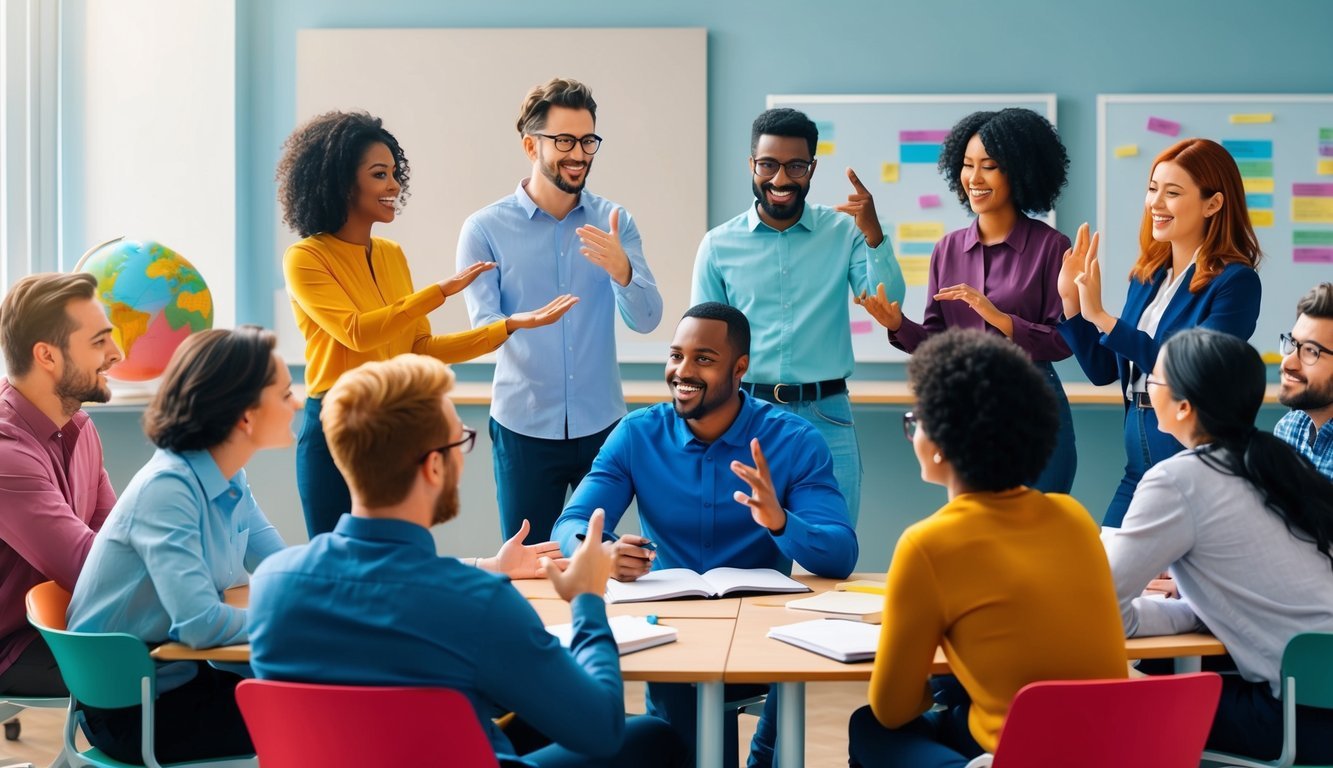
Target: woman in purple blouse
{"x":1000,"y":273}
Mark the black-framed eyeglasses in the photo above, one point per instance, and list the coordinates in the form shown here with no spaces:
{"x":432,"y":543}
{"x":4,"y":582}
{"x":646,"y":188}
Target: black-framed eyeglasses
{"x":464,"y":445}
{"x":910,"y":425}
{"x":1307,"y":352}
{"x":565,"y":142}
{"x":767,"y":169}
{"x":1149,"y":381}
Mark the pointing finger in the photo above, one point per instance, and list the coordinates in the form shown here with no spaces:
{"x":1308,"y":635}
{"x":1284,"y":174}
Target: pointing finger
{"x":856,"y":182}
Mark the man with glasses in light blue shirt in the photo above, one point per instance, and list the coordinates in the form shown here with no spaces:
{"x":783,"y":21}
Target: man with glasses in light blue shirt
{"x":557,"y":392}
{"x":787,"y":265}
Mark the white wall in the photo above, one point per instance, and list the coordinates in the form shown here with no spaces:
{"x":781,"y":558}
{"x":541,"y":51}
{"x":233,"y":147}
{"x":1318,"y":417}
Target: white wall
{"x":156,"y":137}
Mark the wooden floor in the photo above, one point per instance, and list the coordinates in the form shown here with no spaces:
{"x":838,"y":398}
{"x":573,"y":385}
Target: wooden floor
{"x":828,"y":705}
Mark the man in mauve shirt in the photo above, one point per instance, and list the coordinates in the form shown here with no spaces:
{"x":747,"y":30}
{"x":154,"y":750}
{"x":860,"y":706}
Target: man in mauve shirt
{"x":54,"y":492}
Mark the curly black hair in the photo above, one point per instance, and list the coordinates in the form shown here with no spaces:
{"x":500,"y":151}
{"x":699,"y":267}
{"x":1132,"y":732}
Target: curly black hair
{"x":317,"y":173}
{"x":987,"y":407}
{"x":782,"y":121}
{"x":1026,"y":147}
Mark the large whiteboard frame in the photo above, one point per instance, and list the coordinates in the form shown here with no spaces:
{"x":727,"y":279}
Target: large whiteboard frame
{"x":874,"y":347}
{"x":1279,"y":299}
{"x":451,"y":97}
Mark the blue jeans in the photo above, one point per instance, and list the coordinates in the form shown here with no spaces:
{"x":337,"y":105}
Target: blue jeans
{"x":648,"y":743}
{"x":534,"y":475}
{"x":936,"y":739}
{"x":1145,"y":445}
{"x":324,"y":493}
{"x":1058,"y":476}
{"x":832,"y":416}
{"x":677,"y":703}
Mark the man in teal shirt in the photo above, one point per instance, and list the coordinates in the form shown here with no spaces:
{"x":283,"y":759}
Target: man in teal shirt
{"x":788,"y":265}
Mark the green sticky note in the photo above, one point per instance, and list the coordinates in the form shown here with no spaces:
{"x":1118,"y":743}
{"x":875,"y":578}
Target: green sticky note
{"x":1312,"y":237}
{"x":1326,"y":134}
{"x":1250,"y":168}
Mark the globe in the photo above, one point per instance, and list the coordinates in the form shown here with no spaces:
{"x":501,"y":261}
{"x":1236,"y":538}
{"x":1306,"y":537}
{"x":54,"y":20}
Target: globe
{"x":154,"y":298}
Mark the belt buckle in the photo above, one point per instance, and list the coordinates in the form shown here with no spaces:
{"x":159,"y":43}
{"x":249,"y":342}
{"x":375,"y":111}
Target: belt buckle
{"x":777,"y":397}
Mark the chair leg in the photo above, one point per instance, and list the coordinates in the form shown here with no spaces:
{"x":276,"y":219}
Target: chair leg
{"x":12,"y":729}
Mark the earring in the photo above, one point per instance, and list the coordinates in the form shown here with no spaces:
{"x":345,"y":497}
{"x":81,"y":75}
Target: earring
{"x":1180,"y":415}
{"x":937,"y":458}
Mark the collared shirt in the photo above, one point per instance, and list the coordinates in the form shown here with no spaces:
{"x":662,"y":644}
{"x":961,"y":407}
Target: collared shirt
{"x":1019,"y":277}
{"x":54,"y":496}
{"x":372,"y":604}
{"x":792,"y":285}
{"x":180,"y":535}
{"x":1298,"y":429}
{"x":561,"y":381}
{"x":684,"y":488}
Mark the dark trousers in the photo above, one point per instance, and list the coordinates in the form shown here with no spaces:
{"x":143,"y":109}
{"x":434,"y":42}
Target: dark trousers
{"x":1249,"y":722}
{"x":196,"y":721}
{"x":533,"y":477}
{"x":678,"y":704}
{"x":324,"y":493}
{"x":1058,"y":476}
{"x":34,"y":673}
{"x":936,"y":739}
{"x":1145,"y":445}
{"x":649,"y":743}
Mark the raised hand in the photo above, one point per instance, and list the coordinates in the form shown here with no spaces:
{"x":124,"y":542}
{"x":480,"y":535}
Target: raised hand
{"x":860,"y":205}
{"x":544,"y":316}
{"x":1089,"y":283}
{"x":631,"y":559}
{"x":519,"y":561}
{"x":589,"y":567}
{"x":762,"y":499}
{"x":464,"y":278}
{"x":1073,"y":263}
{"x":887,"y":313}
{"x":604,"y":249}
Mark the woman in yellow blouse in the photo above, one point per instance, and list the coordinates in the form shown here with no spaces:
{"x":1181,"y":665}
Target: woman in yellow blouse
{"x":352,"y":294}
{"x":1012,"y":582}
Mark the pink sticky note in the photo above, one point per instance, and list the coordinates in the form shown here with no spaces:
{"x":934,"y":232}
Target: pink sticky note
{"x":862,"y":327}
{"x":1311,"y":190}
{"x":1162,"y":125}
{"x":929,"y":201}
{"x":922,"y":137}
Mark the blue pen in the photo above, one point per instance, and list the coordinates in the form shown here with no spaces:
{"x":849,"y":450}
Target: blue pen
{"x":607,"y":536}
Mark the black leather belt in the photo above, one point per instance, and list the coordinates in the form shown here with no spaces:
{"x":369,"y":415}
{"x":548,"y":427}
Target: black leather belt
{"x":795,"y":393}
{"x":1140,"y":400}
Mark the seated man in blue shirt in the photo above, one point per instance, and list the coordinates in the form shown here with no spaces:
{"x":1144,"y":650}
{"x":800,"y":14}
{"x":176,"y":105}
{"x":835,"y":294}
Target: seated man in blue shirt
{"x":708,"y":496}
{"x":372,"y":604}
{"x":1307,"y":380}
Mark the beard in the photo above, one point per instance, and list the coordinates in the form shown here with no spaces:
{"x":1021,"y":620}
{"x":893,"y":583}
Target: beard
{"x":706,"y":404}
{"x":1310,"y":398}
{"x":780,"y":212}
{"x":446,"y":507}
{"x":77,"y":387}
{"x":552,"y":173}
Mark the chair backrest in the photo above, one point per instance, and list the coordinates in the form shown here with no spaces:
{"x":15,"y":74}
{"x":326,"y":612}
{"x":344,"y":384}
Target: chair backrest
{"x":1309,"y":659}
{"x":48,"y":603}
{"x":294,"y":725}
{"x":101,"y":669}
{"x":1100,"y":723}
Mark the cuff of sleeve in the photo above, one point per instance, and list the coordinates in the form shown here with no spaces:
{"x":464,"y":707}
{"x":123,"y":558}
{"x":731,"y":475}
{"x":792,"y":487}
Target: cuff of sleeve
{"x":496,"y":333}
{"x":589,"y":606}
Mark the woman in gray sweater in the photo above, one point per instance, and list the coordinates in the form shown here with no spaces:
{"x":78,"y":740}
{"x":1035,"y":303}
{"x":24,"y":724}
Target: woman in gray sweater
{"x":1243,"y":523}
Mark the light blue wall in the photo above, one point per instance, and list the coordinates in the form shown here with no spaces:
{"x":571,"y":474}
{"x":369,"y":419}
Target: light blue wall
{"x":1076,"y":49}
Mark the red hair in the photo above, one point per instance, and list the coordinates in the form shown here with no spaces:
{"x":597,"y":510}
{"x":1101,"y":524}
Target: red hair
{"x":1228,"y":236}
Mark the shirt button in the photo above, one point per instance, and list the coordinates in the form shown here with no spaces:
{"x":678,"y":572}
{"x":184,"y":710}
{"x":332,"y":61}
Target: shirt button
{"x":708,"y":503}
{"x":708,"y":458}
{"x":571,"y":377}
{"x":708,"y":545}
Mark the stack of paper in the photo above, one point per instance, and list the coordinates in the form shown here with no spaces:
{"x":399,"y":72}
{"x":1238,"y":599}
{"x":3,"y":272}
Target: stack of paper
{"x":853,"y":606}
{"x":632,"y":633}
{"x":844,"y":641}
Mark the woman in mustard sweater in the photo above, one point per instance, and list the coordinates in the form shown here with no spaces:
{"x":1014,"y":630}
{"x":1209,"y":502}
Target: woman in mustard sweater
{"x":1013,"y":583}
{"x":352,"y":294}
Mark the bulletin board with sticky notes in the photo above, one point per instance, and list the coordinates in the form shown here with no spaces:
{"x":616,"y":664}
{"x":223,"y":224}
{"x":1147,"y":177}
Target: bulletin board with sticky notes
{"x":893,"y":144}
{"x":1283,"y":146}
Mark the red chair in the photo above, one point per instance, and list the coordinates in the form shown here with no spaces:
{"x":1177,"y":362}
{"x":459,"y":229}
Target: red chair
{"x":1150,"y":722}
{"x":297,"y":725}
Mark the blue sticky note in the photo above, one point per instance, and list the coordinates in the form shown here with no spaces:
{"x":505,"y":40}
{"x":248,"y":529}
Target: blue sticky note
{"x":1249,"y":149}
{"x":826,"y":129}
{"x":914,"y":249}
{"x":1259,"y":201}
{"x":919,"y":153}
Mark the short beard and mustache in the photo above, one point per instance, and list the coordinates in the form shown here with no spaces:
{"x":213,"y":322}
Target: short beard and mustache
{"x":1311,"y":398}
{"x":74,"y":389}
{"x":552,"y":174}
{"x":780,"y":212}
{"x":446,"y":507}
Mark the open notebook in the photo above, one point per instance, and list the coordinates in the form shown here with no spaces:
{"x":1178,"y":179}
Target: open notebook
{"x":854,"y":606}
{"x":838,"y":639}
{"x":682,"y":582}
{"x":632,"y":633}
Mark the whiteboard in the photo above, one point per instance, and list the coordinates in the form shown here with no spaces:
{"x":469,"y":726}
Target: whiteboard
{"x":870,"y":132}
{"x":1282,"y":143}
{"x":451,"y":98}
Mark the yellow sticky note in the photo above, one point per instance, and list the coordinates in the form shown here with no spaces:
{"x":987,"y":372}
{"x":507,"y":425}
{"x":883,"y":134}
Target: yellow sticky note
{"x":916,"y":269}
{"x":1258,"y":186}
{"x":921,"y":231}
{"x":1312,"y":210}
{"x":1325,"y":168}
{"x":1261,"y":217}
{"x":1127,"y":150}
{"x":1252,"y":117}
{"x":1272,"y":358}
{"x":825,"y":148}
{"x":888,"y":173}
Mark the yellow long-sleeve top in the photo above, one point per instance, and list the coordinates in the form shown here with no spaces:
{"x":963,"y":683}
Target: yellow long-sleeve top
{"x":1015,"y":586}
{"x":350,"y":314}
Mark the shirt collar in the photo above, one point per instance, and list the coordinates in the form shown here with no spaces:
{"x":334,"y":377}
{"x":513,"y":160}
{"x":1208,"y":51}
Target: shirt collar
{"x":384,"y":529}
{"x":529,"y":205}
{"x":737,"y":434}
{"x":806,"y":222}
{"x":1017,"y":239}
{"x":37,"y":422}
{"x":210,"y":476}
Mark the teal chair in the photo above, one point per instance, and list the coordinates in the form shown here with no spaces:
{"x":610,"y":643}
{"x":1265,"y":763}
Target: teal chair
{"x":105,"y":670}
{"x":1307,"y":679}
{"x":11,"y":706}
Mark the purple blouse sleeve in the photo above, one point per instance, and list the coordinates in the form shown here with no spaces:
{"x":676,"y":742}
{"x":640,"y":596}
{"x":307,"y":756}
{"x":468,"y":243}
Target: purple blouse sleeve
{"x":1039,"y":336}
